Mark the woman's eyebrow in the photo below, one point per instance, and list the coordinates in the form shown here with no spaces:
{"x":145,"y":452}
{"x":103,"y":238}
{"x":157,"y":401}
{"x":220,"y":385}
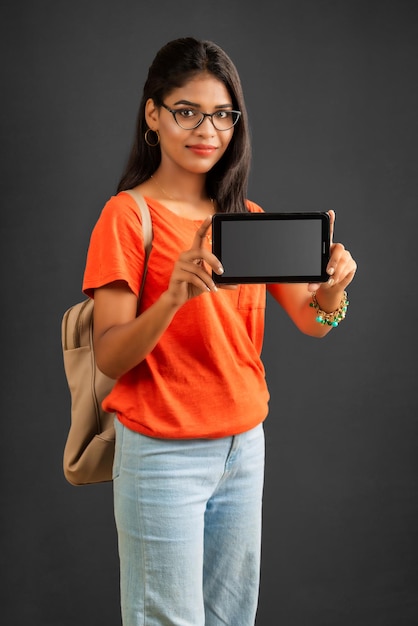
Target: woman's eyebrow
{"x":195,"y":105}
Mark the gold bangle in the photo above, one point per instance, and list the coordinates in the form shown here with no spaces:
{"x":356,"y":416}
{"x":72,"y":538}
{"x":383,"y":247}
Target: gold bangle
{"x":333,"y":318}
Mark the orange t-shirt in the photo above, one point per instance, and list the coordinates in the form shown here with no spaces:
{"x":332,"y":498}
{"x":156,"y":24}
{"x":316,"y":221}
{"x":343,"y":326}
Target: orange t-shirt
{"x":205,"y":377}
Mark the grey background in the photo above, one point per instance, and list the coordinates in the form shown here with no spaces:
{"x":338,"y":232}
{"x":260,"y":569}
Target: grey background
{"x":333,"y":97}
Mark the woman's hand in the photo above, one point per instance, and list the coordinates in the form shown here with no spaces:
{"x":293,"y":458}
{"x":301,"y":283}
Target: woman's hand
{"x":341,"y":266}
{"x":190,"y":277}
{"x":296,"y":300}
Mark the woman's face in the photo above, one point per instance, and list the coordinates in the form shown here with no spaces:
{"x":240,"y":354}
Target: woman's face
{"x":199,"y":149}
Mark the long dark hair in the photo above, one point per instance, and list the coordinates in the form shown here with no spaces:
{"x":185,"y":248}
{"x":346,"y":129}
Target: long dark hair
{"x":176,"y":63}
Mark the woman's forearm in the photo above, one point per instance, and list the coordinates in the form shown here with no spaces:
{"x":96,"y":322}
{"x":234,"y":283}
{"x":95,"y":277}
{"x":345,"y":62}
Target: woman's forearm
{"x":122,"y":346}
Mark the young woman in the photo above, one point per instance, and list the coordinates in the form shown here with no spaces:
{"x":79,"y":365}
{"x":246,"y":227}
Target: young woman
{"x":191,"y":394}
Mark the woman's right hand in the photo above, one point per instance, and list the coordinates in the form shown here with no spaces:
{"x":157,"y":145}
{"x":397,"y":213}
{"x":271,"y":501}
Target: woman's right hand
{"x":190,"y":278}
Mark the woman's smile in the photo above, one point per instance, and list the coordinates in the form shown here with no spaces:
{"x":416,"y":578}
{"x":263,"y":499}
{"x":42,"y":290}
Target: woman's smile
{"x":201,"y":149}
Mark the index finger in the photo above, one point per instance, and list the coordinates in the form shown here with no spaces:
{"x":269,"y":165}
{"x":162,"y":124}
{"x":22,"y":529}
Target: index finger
{"x":202,"y":232}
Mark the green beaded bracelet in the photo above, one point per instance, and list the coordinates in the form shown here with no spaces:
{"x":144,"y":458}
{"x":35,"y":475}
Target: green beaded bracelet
{"x":333,"y":318}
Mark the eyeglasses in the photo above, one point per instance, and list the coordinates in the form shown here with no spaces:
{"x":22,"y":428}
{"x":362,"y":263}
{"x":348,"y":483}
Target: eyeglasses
{"x":188,"y":119}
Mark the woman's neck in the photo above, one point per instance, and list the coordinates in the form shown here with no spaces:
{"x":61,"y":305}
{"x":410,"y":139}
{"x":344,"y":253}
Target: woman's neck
{"x":189,"y":189}
{"x":184,"y":196}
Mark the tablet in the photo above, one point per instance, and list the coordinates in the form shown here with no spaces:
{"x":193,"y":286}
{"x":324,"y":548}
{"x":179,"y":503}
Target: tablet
{"x":271,"y":247}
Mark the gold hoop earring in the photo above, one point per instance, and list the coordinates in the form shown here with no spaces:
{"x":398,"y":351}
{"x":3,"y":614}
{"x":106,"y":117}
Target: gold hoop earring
{"x":148,"y":142}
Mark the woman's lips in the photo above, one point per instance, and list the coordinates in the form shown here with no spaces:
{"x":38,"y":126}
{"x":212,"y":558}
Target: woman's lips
{"x":202,"y":149}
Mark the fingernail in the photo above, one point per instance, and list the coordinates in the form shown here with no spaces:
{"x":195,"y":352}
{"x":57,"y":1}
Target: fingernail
{"x":331,"y":271}
{"x":220,"y":269}
{"x":331,"y":282}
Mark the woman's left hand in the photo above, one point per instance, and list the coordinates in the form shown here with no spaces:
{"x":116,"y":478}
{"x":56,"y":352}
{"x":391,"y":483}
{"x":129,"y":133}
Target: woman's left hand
{"x":341,"y":266}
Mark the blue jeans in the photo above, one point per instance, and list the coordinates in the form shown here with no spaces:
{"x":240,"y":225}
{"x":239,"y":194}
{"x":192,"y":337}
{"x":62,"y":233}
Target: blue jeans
{"x":188,"y":516}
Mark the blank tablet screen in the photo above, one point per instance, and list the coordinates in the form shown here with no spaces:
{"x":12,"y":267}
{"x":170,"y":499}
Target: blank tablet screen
{"x":272,"y":247}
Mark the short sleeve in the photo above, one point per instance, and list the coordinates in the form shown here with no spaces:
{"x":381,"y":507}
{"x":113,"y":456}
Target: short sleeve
{"x":116,"y":248}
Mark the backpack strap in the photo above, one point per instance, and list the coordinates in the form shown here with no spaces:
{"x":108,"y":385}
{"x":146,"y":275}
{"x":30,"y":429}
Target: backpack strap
{"x":146,"y":229}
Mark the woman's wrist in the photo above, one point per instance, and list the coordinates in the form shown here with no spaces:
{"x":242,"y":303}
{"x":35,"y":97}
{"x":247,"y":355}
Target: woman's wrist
{"x":329,"y":298}
{"x":170,"y":303}
{"x":334,"y":311}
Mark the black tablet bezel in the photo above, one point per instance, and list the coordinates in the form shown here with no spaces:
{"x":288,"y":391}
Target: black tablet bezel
{"x":220,"y":218}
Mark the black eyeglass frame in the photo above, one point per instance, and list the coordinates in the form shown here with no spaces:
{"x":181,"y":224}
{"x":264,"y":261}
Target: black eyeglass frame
{"x":204,"y":115}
